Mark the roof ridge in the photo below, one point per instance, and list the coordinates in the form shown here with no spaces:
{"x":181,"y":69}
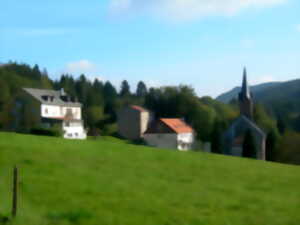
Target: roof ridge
{"x":252,"y":123}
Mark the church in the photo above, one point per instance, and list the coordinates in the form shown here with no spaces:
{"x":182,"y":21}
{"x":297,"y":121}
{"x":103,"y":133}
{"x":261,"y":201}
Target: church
{"x":234,"y":137}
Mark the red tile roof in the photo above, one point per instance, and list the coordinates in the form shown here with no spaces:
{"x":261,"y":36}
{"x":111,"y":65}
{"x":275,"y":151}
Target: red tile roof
{"x":177,"y":125}
{"x":139,"y":108}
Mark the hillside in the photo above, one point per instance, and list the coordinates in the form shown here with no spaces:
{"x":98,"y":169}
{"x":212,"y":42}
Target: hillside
{"x":228,"y":96}
{"x":287,"y":93}
{"x":280,"y":99}
{"x":268,"y":93}
{"x":111,"y":182}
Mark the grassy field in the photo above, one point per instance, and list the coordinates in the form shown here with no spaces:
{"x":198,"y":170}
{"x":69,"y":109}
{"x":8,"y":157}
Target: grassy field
{"x":110,"y":182}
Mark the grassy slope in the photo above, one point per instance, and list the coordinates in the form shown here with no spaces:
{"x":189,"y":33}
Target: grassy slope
{"x":110,"y":182}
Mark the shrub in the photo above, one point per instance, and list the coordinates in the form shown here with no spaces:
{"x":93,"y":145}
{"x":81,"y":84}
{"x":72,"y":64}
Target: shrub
{"x":110,"y":129}
{"x":4,"y":219}
{"x":288,"y":151}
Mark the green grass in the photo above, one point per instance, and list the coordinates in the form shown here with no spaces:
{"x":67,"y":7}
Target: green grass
{"x":110,"y":182}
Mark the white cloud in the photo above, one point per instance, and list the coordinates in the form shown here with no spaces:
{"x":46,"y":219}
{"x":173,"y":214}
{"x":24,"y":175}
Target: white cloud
{"x":81,"y":67}
{"x":90,"y":69}
{"x":189,"y":9}
{"x":264,"y":79}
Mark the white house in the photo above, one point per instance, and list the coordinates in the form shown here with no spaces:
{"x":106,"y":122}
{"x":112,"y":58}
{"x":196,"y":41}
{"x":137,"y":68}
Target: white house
{"x":170,"y":134}
{"x":56,"y":107}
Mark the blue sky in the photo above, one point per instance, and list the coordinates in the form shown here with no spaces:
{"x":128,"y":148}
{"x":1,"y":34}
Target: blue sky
{"x":203,"y":43}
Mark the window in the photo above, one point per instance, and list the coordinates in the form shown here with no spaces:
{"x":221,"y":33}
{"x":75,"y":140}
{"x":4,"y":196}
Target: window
{"x":45,"y":97}
{"x":46,"y":110}
{"x":76,"y":134}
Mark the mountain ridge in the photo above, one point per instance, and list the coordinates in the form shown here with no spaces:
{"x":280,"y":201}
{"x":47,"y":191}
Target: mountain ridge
{"x":233,"y":93}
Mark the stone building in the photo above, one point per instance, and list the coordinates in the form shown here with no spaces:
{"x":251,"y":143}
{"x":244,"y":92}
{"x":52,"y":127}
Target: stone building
{"x":234,"y":136}
{"x":133,"y":121}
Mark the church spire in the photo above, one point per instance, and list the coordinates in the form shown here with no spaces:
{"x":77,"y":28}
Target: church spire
{"x":245,"y":88}
{"x":245,"y":98}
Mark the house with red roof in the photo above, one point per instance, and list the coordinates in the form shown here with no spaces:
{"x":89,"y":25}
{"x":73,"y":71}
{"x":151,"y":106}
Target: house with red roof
{"x":171,"y":133}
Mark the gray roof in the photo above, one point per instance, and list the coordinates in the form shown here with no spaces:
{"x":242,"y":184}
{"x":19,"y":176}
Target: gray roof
{"x":54,"y":97}
{"x":242,"y":124}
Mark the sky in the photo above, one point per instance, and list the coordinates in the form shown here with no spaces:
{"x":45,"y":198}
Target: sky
{"x":202,"y":43}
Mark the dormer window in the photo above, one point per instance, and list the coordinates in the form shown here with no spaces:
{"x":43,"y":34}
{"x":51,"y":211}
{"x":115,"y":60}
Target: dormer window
{"x":48,"y":98}
{"x":64,"y":98}
{"x":45,"y":97}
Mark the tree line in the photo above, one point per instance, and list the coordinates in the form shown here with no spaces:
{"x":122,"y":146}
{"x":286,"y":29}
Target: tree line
{"x":102,"y":100}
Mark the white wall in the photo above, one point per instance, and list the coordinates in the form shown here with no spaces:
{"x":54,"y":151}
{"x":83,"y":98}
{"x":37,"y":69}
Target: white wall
{"x":52,"y":111}
{"x":185,"y":141}
{"x":168,"y":141}
{"x":74,"y":130}
{"x":181,"y":142}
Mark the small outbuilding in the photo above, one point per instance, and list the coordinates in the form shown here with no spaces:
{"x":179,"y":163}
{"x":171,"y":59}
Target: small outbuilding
{"x":170,"y":134}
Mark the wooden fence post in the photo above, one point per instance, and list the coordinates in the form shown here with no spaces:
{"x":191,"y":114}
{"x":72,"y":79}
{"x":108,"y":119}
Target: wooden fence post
{"x":15,"y":192}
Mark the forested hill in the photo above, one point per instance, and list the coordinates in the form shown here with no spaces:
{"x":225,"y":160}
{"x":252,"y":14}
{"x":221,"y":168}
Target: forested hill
{"x":233,"y":93}
{"x":268,"y":92}
{"x":101,"y":100}
{"x":281,"y":99}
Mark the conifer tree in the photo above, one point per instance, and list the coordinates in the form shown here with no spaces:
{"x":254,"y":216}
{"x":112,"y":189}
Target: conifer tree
{"x":249,"y":146}
{"x":271,"y":146}
{"x":125,"y":89}
{"x":281,"y":125}
{"x":141,"y":90}
{"x":216,"y":137}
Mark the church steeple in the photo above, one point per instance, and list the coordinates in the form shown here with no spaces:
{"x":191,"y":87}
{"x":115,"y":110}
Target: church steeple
{"x":245,"y":98}
{"x":245,"y":88}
